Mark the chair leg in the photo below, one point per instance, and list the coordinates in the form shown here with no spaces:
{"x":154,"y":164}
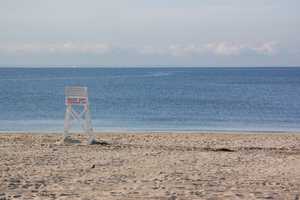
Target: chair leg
{"x":67,"y":122}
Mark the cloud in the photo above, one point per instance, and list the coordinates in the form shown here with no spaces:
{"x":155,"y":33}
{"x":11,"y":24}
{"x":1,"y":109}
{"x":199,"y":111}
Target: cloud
{"x":174,"y":50}
{"x":56,"y":48}
{"x":235,"y":49}
{"x":268,"y":48}
{"x":225,"y":48}
{"x":171,"y":50}
{"x":214,"y":48}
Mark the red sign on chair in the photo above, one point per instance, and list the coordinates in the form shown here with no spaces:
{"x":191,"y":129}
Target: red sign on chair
{"x":76,"y":101}
{"x":76,"y":96}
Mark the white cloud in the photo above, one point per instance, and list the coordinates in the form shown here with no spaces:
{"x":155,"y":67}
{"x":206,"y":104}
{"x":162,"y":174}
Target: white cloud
{"x":235,"y":49}
{"x":268,"y":48}
{"x":215,"y":48}
{"x":174,"y":50}
{"x":59,"y":48}
{"x":225,"y":48}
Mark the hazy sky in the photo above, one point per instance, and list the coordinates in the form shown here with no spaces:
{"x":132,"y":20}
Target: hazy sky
{"x":144,"y":32}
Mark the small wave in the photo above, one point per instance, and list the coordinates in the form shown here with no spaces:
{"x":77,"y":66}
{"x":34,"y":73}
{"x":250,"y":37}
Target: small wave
{"x":156,"y":74}
{"x":161,"y":74}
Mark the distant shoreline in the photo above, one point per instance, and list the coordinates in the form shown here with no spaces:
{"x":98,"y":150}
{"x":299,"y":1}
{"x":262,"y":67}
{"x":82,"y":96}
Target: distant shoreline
{"x":217,"y":132}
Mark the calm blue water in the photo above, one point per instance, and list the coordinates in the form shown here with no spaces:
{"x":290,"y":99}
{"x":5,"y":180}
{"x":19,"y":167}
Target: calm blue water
{"x":159,"y":99}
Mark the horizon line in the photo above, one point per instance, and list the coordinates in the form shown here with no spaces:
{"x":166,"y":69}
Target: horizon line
{"x":145,"y":66}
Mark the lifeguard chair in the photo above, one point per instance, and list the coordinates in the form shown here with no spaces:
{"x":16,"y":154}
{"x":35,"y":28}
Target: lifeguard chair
{"x":78,"y":97}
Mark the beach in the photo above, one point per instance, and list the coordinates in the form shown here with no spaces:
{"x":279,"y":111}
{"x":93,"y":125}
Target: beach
{"x":166,"y":166}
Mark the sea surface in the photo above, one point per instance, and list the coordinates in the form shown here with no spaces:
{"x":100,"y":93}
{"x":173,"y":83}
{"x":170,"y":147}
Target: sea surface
{"x":154,"y":99}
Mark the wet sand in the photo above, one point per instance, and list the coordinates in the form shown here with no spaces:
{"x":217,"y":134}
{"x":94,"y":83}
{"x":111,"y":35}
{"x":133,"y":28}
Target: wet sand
{"x":164,"y":166}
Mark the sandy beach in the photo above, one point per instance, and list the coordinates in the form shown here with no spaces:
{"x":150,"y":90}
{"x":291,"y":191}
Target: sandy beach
{"x":166,"y":166}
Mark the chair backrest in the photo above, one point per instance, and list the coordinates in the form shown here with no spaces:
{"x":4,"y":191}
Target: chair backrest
{"x":76,"y":95}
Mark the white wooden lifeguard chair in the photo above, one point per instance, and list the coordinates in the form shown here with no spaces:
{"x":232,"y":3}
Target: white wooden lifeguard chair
{"x":78,"y":97}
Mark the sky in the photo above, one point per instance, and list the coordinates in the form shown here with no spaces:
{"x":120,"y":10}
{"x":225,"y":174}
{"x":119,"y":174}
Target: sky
{"x":149,"y":33}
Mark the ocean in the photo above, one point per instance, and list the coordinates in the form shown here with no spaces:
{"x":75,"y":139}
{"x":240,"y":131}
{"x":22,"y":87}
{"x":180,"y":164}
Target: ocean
{"x":154,"y":99}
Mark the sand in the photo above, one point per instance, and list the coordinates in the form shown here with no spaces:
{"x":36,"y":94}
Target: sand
{"x":151,"y":166}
